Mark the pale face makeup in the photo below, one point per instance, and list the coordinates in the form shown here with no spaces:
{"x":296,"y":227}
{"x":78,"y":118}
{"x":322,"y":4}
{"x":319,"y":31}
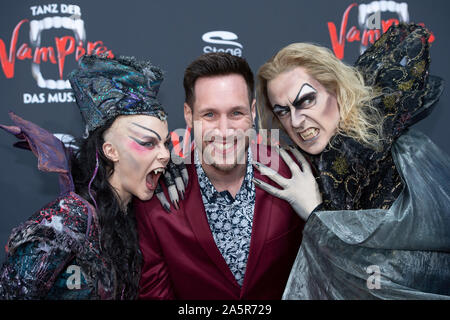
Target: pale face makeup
{"x":306,"y":110}
{"x":221,"y":115}
{"x":139,"y":147}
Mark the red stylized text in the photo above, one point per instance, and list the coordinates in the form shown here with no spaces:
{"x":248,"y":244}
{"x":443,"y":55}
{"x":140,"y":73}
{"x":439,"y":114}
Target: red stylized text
{"x":354,"y":34}
{"x":64,"y":46}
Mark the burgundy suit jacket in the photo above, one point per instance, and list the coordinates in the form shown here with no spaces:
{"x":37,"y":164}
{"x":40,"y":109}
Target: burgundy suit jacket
{"x":181,"y":259}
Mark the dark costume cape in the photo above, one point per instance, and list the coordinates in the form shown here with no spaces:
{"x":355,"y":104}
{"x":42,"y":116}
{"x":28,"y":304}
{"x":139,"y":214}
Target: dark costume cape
{"x":55,"y":254}
{"x":384,"y":230}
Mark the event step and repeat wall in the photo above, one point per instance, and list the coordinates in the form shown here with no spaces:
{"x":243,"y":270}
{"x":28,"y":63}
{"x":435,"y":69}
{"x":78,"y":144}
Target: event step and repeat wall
{"x":41,"y":42}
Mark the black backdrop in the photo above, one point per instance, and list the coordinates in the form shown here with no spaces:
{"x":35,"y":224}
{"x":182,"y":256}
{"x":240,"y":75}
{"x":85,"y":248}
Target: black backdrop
{"x":171,"y":34}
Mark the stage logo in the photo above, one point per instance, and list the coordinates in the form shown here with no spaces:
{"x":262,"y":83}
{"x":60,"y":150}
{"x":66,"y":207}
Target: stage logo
{"x":222,"y":41}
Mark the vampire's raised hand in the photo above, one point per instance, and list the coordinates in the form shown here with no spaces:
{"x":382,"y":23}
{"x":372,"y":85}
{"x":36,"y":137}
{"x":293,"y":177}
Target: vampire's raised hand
{"x":301,"y":191}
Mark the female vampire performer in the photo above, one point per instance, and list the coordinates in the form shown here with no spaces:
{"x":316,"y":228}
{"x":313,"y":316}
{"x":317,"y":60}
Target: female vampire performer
{"x":84,"y":244}
{"x":383,"y":228}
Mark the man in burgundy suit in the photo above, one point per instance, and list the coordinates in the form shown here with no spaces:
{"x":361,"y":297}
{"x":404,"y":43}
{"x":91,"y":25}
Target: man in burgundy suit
{"x":227,"y":239}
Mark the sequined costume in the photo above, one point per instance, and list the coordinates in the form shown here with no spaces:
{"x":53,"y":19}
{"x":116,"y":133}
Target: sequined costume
{"x":383,"y":231}
{"x":55,"y":254}
{"x":106,"y":88}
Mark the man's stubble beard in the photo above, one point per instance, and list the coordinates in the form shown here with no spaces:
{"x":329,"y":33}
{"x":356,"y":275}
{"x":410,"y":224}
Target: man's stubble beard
{"x":239,"y":157}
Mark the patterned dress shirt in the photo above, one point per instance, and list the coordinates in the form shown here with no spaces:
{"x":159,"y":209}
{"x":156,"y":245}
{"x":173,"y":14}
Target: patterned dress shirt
{"x":230,"y":219}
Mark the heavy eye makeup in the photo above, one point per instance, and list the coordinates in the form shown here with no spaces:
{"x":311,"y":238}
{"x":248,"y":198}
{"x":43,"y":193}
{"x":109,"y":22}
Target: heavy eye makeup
{"x":306,"y":97}
{"x":281,"y":111}
{"x":149,"y":142}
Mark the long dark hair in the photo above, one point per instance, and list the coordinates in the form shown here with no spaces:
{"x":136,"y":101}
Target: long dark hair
{"x":119,"y":239}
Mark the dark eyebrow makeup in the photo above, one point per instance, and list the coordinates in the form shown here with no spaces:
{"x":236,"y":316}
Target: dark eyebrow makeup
{"x":278,"y":108}
{"x":138,"y":125}
{"x":303,"y":93}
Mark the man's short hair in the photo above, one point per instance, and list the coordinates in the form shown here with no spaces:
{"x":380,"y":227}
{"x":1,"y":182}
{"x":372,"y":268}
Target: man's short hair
{"x":216,"y":64}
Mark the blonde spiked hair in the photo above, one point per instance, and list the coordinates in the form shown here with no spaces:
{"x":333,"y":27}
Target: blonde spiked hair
{"x":359,"y":119}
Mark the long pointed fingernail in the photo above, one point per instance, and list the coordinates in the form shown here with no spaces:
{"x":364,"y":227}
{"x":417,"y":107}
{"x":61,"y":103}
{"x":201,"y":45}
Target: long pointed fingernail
{"x":162,"y":199}
{"x":180,"y":183}
{"x":185,"y":176}
{"x":173,"y":193}
{"x":167,"y":208}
